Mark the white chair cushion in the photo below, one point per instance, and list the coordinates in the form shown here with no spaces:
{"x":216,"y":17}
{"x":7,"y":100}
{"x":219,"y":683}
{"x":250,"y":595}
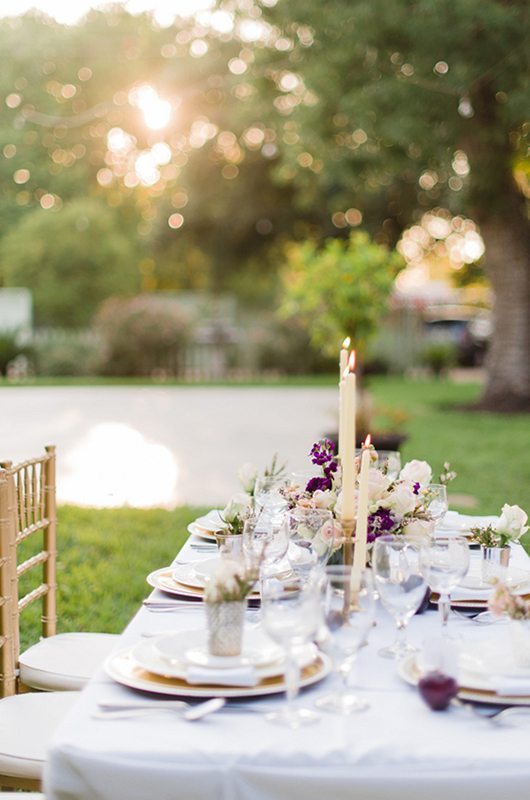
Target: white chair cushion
{"x":64,"y":662}
{"x":27,"y":723}
{"x":17,"y":796}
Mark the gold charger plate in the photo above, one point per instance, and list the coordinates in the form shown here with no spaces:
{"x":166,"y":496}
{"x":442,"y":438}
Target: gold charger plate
{"x":164,"y":580}
{"x":122,"y":668}
{"x":409,"y":671}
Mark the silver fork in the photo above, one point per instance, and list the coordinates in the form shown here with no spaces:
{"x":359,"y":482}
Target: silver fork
{"x":191,"y":713}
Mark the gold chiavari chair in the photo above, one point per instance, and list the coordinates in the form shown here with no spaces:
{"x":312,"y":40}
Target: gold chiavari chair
{"x":27,"y":721}
{"x":59,"y":661}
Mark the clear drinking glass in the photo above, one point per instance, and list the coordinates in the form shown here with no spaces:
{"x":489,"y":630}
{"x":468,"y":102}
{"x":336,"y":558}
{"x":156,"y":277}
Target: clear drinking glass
{"x":443,"y":563}
{"x":267,"y":494}
{"x":265,"y":542}
{"x":436,"y":501}
{"x":389,"y":461}
{"x":291,"y":615}
{"x":312,"y":533}
{"x":401,"y":586}
{"x":349,"y":610}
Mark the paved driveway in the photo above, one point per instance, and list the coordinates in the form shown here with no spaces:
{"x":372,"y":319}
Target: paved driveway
{"x":161,"y":446}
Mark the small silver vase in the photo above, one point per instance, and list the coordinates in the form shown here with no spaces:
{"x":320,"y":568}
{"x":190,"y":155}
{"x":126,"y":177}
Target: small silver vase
{"x":225,"y":627}
{"x":495,"y":561}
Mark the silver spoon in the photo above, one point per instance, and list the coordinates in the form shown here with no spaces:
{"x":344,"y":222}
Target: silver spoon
{"x":111,"y":711}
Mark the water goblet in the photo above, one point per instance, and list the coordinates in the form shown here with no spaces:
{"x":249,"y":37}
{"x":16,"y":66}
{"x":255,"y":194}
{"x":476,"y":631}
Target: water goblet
{"x":312,"y":533}
{"x":444,"y":561}
{"x":349,"y":610}
{"x":268,"y":496}
{"x":401,"y":586}
{"x":291,"y":614}
{"x":265,"y":542}
{"x":435,"y":501}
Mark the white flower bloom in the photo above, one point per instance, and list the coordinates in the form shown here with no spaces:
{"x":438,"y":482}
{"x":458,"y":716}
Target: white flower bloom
{"x":378,"y":484}
{"x":223,"y":581}
{"x":419,"y":530}
{"x":247,"y":475}
{"x":402,"y":500}
{"x":324,"y":498}
{"x":237,"y":506}
{"x":417,"y":472}
{"x":512,"y":522}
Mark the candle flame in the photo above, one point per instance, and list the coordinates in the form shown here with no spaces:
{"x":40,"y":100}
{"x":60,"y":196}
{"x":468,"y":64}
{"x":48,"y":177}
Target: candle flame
{"x":367,"y":441}
{"x":351,"y":362}
{"x":346,"y":343}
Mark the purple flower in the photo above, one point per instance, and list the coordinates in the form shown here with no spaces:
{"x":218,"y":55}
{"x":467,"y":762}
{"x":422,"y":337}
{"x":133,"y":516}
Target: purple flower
{"x":416,"y":488}
{"x":379,"y":523}
{"x":318,"y":483}
{"x":322,"y":452}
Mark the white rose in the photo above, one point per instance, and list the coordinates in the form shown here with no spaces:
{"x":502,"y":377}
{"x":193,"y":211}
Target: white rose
{"x":324,"y":498}
{"x":419,"y":530}
{"x":416,"y":472}
{"x":402,"y":500}
{"x":247,"y":475}
{"x":378,"y":484}
{"x":512,"y":522}
{"x":238,"y":505}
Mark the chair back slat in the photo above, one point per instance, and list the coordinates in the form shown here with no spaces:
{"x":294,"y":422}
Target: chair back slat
{"x":7,"y":644}
{"x":32,"y":510}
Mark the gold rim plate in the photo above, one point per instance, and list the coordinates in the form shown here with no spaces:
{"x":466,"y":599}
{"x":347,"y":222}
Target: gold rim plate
{"x":122,"y":668}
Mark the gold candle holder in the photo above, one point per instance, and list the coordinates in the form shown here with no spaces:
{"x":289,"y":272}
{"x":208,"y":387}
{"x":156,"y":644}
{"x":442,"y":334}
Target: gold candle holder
{"x":348,"y":538}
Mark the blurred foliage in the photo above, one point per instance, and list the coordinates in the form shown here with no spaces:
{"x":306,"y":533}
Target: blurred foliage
{"x":287,"y":124}
{"x":439,"y":357}
{"x":340,"y":289}
{"x":71,"y":261}
{"x":140,"y":335}
{"x":10,"y":348}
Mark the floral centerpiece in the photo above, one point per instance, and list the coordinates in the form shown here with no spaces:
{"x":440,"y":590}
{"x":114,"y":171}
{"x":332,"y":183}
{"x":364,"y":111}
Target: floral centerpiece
{"x":395,"y":506}
{"x":225,"y":596}
{"x":236,"y":512}
{"x":503,"y":602}
{"x":510,"y":526}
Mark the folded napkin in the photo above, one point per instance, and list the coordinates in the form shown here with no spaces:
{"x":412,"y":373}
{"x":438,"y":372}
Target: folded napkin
{"x":232,"y":676}
{"x":453,"y":521}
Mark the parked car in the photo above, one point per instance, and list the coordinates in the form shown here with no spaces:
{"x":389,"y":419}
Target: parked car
{"x":467,"y":330}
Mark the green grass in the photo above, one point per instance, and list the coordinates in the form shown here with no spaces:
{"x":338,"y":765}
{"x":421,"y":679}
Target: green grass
{"x":262,"y":380}
{"x":105,"y":555}
{"x":490,"y":452}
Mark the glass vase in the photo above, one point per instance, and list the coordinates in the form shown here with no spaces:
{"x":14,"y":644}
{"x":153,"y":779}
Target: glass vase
{"x":495,"y":562}
{"x":225,"y":627}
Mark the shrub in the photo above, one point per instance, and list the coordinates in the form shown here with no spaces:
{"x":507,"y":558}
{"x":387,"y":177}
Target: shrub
{"x":141,"y":335}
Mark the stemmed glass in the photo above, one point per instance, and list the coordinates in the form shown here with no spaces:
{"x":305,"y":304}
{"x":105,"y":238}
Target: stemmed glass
{"x":267,"y":495}
{"x":349,"y":610}
{"x":401,"y":586}
{"x":443,"y":563}
{"x":436,"y":501}
{"x":265,"y":542}
{"x":291,"y":614}
{"x":312,"y":532}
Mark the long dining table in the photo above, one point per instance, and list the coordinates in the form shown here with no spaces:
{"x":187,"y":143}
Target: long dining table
{"x":398,"y":748}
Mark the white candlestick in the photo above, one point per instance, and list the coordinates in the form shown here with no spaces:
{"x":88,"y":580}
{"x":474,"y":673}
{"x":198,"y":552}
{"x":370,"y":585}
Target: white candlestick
{"x":348,"y":443}
{"x":361,"y":530}
{"x":343,"y":366}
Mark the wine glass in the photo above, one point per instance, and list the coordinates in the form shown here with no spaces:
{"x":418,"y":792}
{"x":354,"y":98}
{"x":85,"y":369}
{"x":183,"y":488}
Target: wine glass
{"x":267,"y":494}
{"x":312,"y":533}
{"x":291,"y":614}
{"x":435,"y":501}
{"x":401,"y":586}
{"x":265,"y":542}
{"x":443,"y":563}
{"x":349,"y":610}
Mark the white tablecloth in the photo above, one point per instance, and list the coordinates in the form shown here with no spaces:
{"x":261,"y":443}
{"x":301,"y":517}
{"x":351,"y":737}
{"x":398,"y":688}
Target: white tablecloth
{"x":396,"y":749}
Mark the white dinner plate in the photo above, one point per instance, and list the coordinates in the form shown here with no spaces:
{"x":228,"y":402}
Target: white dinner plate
{"x":211,"y":522}
{"x":190,"y":647}
{"x":203,"y":534}
{"x":472,"y":685}
{"x":124,"y":669}
{"x":195,"y":573}
{"x":165,"y":580}
{"x":518,"y":580}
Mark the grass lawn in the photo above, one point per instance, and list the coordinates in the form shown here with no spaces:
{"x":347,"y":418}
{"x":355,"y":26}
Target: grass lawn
{"x":104,"y":555}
